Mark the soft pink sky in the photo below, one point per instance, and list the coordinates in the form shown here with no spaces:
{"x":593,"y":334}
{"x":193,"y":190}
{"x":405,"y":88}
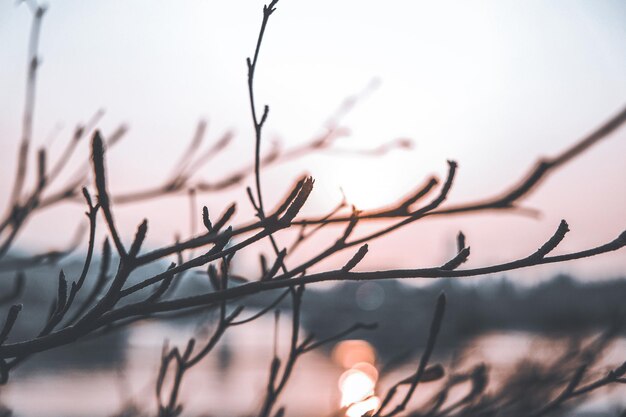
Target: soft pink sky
{"x":491,"y":84}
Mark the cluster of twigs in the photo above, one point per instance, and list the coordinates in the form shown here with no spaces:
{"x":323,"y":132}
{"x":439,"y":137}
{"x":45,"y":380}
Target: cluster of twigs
{"x":533,"y":389}
{"x":114,"y":302}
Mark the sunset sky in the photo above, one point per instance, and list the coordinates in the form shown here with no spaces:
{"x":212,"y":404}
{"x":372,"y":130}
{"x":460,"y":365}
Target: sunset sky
{"x":493,"y":85}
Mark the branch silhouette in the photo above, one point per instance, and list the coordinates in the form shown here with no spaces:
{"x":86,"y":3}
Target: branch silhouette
{"x":115,"y":301}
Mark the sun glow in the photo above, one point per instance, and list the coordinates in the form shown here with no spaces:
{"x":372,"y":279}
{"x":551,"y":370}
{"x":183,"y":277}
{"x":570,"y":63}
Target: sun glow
{"x":355,"y":385}
{"x":351,"y":352}
{"x":358,"y":383}
{"x":361,"y":408}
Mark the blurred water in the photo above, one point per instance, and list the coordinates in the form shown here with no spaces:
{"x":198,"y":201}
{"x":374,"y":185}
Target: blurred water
{"x":231,"y":381}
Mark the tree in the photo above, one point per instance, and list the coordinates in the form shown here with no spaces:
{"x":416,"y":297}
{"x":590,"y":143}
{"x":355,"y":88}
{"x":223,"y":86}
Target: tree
{"x":115,"y":301}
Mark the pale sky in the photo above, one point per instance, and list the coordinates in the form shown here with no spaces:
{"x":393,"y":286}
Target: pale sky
{"x":492,"y":84}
